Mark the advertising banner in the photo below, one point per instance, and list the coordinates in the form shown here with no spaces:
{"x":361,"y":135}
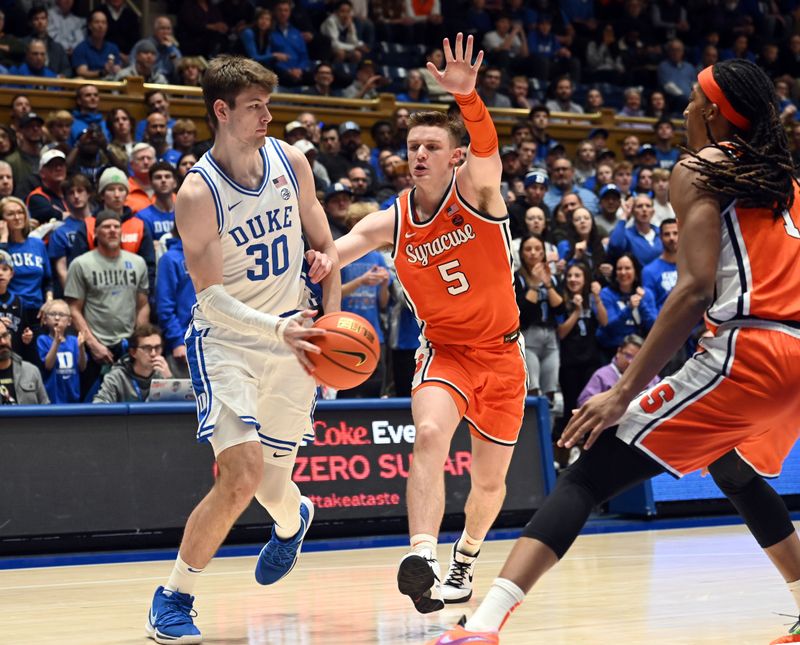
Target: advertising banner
{"x":358,"y":465}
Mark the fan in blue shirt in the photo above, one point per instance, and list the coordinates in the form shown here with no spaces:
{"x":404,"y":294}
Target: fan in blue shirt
{"x":175,"y":298}
{"x":641,"y":239}
{"x":35,"y":63}
{"x":62,"y":356}
{"x":365,"y":291}
{"x":32,"y":275}
{"x":631,"y":308}
{"x":95,"y":57}
{"x":160,"y":217}
{"x":660,"y":276}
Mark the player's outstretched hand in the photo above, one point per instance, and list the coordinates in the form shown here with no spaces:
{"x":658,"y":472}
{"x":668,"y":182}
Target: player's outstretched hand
{"x":597,"y":414}
{"x":296,"y":333}
{"x":459,"y":73}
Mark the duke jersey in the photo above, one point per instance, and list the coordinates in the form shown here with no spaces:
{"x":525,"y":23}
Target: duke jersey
{"x":758,"y":274}
{"x":456,"y":271}
{"x":260,"y":231}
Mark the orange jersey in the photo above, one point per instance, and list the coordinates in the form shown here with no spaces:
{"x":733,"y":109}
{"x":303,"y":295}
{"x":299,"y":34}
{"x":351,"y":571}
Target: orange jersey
{"x":455,"y":270}
{"x":758,"y":275}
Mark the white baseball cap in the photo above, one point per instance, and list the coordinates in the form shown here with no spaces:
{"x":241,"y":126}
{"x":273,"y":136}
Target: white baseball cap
{"x":51,"y":155}
{"x":304,"y":146}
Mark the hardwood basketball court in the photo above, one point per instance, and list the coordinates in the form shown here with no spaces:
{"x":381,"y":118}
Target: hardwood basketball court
{"x":709,"y":586}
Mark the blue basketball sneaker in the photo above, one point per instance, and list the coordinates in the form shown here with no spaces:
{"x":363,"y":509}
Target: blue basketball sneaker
{"x":278,"y":557}
{"x":170,"y":618}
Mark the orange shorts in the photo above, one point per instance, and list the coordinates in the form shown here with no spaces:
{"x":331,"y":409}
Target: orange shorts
{"x":488,"y":385}
{"x":738,"y":392}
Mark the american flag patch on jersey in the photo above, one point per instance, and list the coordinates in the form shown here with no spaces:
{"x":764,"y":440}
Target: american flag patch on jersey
{"x":279,"y":182}
{"x":453,"y":209}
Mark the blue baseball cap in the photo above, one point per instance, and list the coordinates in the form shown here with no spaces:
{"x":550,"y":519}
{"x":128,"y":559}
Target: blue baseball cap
{"x":610,"y":188}
{"x":335,"y":189}
{"x":536,"y":177}
{"x":645,"y":148}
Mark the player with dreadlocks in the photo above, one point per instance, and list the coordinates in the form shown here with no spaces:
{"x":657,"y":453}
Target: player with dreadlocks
{"x":732,"y":408}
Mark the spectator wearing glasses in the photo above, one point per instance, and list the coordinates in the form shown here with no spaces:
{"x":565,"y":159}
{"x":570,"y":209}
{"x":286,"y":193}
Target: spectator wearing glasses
{"x":606,"y":377}
{"x":562,"y":182}
{"x":130,"y":377}
{"x":323,"y":82}
{"x":360,"y":185}
{"x":63,"y":356}
{"x":20,"y":381}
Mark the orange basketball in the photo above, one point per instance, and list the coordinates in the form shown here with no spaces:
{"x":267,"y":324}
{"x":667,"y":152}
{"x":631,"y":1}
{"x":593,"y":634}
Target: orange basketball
{"x":350,"y":350}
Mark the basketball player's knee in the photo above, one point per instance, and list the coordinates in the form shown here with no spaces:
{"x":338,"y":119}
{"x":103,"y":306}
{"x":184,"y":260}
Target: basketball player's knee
{"x":488,"y":484}
{"x":430,"y":441}
{"x":580,"y":483}
{"x":731,"y":474}
{"x":489,"y":489}
{"x":756,"y":501}
{"x":239,"y":478}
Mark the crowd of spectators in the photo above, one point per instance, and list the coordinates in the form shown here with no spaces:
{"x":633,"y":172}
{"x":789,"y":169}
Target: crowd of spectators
{"x":93,"y":287}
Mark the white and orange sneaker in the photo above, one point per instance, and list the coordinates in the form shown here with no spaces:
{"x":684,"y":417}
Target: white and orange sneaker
{"x":460,"y":636}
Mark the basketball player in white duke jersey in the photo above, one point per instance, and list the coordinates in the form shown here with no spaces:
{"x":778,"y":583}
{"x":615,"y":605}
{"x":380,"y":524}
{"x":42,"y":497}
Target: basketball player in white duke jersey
{"x":243,"y":213}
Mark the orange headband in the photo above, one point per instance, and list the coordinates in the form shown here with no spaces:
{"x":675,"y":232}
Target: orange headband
{"x":715,"y":94}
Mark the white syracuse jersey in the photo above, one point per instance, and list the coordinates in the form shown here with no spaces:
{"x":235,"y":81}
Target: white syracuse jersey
{"x":261,"y":233}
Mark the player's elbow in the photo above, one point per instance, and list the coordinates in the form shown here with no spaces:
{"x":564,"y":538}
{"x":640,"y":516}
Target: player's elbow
{"x":697,"y":294}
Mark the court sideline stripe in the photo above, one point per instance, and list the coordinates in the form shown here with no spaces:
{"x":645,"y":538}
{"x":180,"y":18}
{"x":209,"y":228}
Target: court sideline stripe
{"x":593,"y":527}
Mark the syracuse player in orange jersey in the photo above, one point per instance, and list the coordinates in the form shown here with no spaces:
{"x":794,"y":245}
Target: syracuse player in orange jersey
{"x":452,"y":254}
{"x":733,"y":408}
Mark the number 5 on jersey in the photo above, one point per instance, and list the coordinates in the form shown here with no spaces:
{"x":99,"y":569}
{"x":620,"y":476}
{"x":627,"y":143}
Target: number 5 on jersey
{"x":790,"y":226}
{"x":456,"y":279}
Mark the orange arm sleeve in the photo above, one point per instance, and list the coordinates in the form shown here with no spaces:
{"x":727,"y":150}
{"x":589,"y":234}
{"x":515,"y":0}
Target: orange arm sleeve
{"x":482,"y":133}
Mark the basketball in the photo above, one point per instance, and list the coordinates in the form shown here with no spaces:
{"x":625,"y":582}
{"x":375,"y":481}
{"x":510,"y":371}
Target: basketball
{"x":350,"y":350}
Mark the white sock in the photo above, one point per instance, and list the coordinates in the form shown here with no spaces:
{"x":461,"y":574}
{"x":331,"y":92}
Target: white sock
{"x":468,"y":544}
{"x":503,"y":598}
{"x":280,"y":496}
{"x":794,"y":588}
{"x":423,"y":541}
{"x":183,"y":577}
